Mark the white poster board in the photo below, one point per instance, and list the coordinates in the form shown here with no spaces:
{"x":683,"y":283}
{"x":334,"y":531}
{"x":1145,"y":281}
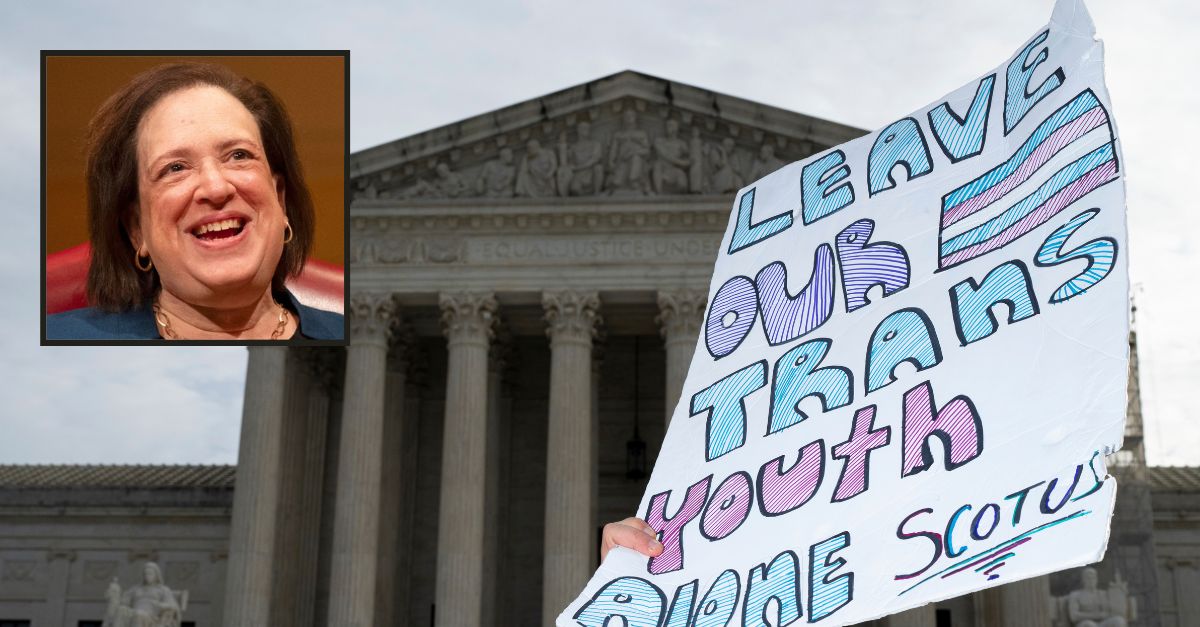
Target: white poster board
{"x":912,"y":365}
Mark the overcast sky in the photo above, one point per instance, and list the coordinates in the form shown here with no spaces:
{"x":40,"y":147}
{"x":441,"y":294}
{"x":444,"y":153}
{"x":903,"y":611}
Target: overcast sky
{"x":415,"y":66}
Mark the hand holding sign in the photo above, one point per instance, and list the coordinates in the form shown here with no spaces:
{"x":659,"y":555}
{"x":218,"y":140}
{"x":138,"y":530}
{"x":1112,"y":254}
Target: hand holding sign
{"x":912,"y":366}
{"x":631,"y":533}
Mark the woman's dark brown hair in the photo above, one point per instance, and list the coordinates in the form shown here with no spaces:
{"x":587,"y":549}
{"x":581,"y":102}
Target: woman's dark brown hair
{"x":114,"y":282}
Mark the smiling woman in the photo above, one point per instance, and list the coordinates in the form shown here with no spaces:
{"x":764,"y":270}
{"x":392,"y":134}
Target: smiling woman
{"x":198,"y":214}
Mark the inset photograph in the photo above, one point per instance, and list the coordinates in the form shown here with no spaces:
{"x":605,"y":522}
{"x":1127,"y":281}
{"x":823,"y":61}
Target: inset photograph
{"x":195,"y":198}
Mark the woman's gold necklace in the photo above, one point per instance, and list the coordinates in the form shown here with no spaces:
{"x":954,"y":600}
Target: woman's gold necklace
{"x":167,"y":332}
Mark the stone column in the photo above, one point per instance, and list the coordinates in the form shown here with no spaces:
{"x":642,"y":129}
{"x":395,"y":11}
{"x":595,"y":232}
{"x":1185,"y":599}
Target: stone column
{"x":360,"y":451}
{"x":599,"y":345}
{"x":416,"y":387}
{"x":924,"y":616}
{"x":390,"y":481}
{"x":681,"y":312}
{"x":570,"y":474}
{"x":502,"y":608}
{"x":492,"y":520}
{"x":290,"y":548}
{"x":323,"y":368}
{"x":1025,"y":603}
{"x":256,"y":490}
{"x":467,"y":320}
{"x":302,"y":473}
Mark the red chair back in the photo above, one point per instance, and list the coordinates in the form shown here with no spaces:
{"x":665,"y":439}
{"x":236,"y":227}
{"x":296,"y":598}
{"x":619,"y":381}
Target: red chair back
{"x":320,"y":285}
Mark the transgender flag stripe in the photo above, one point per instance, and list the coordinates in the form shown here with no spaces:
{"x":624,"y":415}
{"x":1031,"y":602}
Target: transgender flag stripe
{"x":998,"y":225}
{"x":1033,"y":211}
{"x":1064,"y":126}
{"x":1043,"y":153}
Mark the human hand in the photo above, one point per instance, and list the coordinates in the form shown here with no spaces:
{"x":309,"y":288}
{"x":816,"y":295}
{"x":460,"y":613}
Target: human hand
{"x":631,"y":533}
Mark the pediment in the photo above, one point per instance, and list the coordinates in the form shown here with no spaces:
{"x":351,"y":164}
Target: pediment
{"x":628,"y":134}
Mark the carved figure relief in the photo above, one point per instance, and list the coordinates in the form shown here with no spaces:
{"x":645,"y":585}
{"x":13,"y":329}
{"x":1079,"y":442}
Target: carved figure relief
{"x":671,"y":162}
{"x":404,"y":250}
{"x":742,"y":162}
{"x":18,"y":570}
{"x":443,"y":250}
{"x":581,"y":167}
{"x":366,"y":189}
{"x":696,"y":169}
{"x":393,"y":251}
{"x":363,"y":251}
{"x":722,"y":177}
{"x":627,"y":157}
{"x":183,"y":572}
{"x":496,"y":179}
{"x":449,"y":184}
{"x":638,"y":157}
{"x":765,"y":163}
{"x":102,"y":570}
{"x":535,"y":177}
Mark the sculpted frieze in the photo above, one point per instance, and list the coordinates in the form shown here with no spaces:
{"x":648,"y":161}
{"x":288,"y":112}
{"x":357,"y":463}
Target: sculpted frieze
{"x":373,"y":240}
{"x":523,"y":249}
{"x":729,"y":167}
{"x":628,"y":148}
{"x":765,"y":163}
{"x":99,"y":570}
{"x":497,"y":176}
{"x":183,"y":572}
{"x":581,"y":165}
{"x":408,"y":250}
{"x":18,"y":570}
{"x":442,"y":250}
{"x":672,"y":161}
{"x":536,"y":176}
{"x":447,"y":184}
{"x":627,"y":156}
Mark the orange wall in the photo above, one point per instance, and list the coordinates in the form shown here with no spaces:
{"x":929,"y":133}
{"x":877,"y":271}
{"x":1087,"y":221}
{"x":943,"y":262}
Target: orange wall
{"x":311,"y":87}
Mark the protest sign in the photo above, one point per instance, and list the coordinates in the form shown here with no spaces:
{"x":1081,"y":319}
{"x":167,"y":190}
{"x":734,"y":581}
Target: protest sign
{"x":912,"y":366}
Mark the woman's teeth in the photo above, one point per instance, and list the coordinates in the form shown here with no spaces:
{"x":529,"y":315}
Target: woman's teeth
{"x":223,"y":228}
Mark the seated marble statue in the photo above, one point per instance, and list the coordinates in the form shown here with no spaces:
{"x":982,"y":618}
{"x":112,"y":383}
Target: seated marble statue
{"x":148,"y":604}
{"x":1091,"y":606}
{"x":535,"y":175}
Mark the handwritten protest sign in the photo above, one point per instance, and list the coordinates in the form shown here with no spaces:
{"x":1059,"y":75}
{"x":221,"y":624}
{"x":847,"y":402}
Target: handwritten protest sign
{"x":912,"y":365}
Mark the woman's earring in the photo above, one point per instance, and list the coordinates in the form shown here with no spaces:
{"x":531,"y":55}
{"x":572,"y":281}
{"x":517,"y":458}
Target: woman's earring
{"x":287,"y":232}
{"x":137,"y":261}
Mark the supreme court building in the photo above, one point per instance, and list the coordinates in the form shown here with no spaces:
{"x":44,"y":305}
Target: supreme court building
{"x":527,"y":290}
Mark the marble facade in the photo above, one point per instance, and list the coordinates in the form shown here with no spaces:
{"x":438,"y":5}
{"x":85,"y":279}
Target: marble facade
{"x":510,"y":275}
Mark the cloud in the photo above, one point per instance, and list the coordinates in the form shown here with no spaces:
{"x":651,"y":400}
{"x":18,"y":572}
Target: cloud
{"x":416,"y":66}
{"x":123,"y":405}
